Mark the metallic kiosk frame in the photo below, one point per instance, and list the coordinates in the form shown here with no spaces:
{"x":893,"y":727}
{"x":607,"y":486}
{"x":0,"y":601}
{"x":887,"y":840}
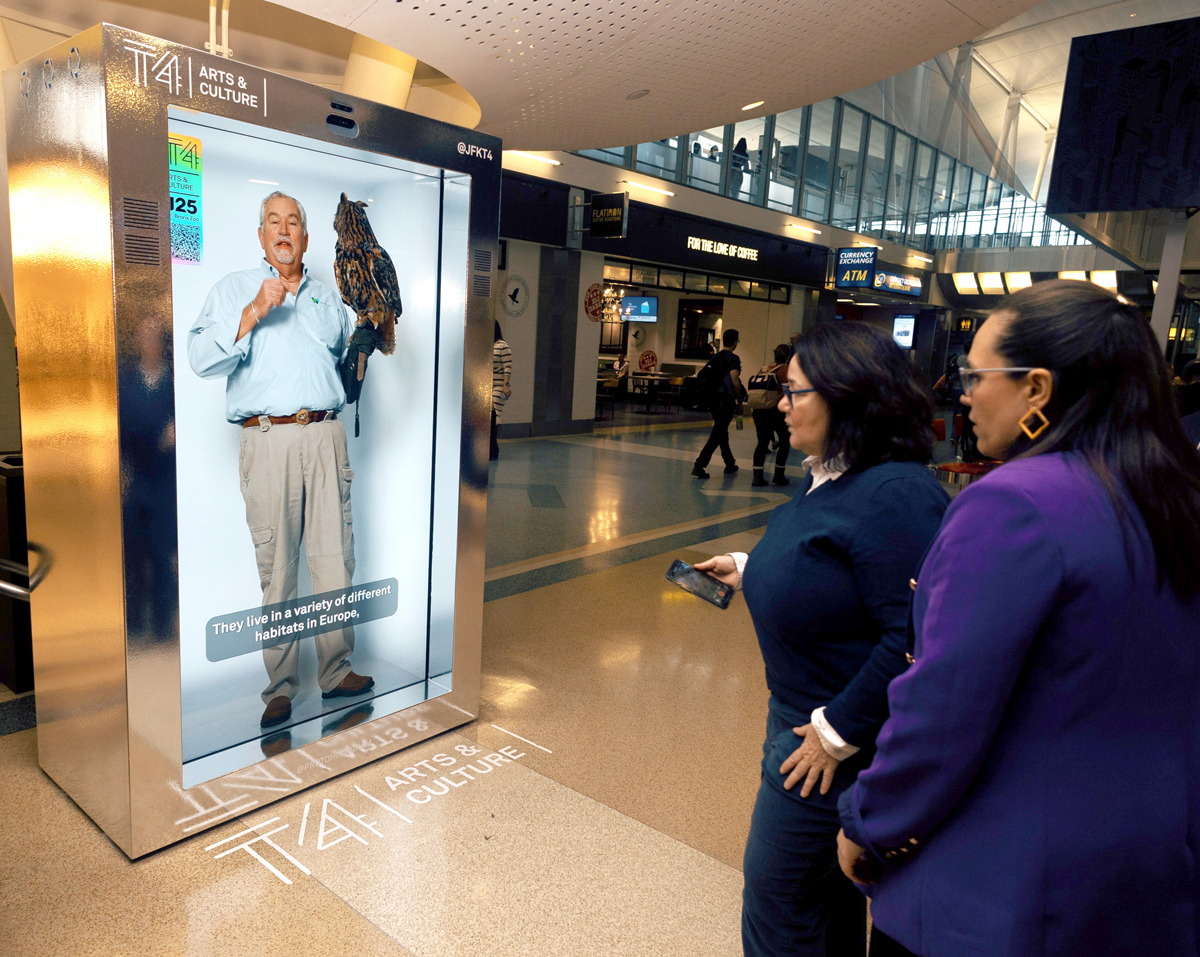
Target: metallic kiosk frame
{"x":87,"y":133}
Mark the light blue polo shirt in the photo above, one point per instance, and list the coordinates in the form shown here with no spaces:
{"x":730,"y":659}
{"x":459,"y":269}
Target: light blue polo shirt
{"x":288,"y":362}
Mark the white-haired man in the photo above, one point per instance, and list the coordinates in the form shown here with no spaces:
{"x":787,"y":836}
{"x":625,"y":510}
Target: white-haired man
{"x":277,"y":335}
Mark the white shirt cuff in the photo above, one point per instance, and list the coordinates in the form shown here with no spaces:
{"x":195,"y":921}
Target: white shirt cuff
{"x":830,"y":740}
{"x":739,"y":559}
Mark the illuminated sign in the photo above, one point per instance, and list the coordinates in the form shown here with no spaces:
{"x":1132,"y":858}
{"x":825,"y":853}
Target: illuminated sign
{"x":855,"y":268}
{"x":891,"y":282}
{"x":722,"y":249}
{"x":609,"y":216}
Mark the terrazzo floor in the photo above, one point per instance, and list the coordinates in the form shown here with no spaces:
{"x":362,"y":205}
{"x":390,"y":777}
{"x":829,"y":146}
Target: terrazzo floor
{"x":605,"y":788}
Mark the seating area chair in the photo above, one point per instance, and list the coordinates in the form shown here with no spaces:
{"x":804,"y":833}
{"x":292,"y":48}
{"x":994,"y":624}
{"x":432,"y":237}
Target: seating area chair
{"x":669,"y":391}
{"x":606,"y":391}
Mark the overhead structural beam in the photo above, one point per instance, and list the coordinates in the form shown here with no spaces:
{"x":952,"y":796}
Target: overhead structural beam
{"x":959,"y":96}
{"x":378,"y":72}
{"x":1002,"y":81}
{"x":1168,"y":276}
{"x":1010,"y":115}
{"x":1047,"y":146}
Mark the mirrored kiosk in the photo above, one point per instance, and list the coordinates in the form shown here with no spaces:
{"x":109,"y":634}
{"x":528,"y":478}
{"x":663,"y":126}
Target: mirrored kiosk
{"x":224,"y":528}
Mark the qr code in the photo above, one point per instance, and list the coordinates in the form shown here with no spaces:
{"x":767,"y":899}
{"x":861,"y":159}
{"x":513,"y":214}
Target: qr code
{"x":187,"y":245}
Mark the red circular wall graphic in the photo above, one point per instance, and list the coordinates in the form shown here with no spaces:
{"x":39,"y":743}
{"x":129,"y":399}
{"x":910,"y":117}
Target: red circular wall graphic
{"x":647,"y":361}
{"x":593,"y":302}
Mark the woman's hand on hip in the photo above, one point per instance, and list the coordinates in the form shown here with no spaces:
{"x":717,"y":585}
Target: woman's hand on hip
{"x":855,"y":863}
{"x":722,"y":567}
{"x":809,"y":761}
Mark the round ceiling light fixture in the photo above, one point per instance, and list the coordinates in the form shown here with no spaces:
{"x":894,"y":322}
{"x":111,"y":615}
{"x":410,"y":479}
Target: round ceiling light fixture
{"x":637,"y":94}
{"x":750,"y":106}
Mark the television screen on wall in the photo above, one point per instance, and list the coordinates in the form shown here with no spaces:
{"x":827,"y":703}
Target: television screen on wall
{"x":1129,"y":133}
{"x":639,"y":308}
{"x":903,"y":330}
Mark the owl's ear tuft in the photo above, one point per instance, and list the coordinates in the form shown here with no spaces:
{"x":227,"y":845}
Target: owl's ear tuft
{"x":344,"y":198}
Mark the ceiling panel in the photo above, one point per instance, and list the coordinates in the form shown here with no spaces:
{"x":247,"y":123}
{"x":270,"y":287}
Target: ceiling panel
{"x":557,"y":74}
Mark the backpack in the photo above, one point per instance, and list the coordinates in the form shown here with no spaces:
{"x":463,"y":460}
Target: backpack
{"x":763,"y":388}
{"x":711,"y":379}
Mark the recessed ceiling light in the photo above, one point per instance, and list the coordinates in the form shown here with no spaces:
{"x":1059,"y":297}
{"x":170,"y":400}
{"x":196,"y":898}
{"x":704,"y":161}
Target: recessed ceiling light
{"x":637,"y":94}
{"x":264,"y":182}
{"x":807,"y":229}
{"x":533,"y":156}
{"x":845,"y":300}
{"x":750,"y":106}
{"x":859,"y":242}
{"x":924,"y":259}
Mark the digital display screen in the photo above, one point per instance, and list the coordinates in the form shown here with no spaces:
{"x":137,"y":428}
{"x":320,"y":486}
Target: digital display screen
{"x":639,"y":308}
{"x":317,"y":539}
{"x":904,"y":330}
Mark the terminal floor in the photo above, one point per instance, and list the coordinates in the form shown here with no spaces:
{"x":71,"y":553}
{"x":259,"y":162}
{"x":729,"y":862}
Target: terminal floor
{"x":631,"y":711}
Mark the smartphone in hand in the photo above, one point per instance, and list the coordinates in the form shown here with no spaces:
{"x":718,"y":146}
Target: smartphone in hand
{"x":700,"y":583}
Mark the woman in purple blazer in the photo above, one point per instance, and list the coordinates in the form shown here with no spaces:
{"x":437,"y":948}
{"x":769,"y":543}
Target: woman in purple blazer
{"x":1036,"y":789}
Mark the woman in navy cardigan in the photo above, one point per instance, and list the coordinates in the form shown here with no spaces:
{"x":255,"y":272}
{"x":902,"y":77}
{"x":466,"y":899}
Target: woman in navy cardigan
{"x":827,"y":588}
{"x":1036,"y":789}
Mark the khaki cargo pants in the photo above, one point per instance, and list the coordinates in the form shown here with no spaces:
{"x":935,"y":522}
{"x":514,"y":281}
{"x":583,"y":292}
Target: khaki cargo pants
{"x":296,"y":483}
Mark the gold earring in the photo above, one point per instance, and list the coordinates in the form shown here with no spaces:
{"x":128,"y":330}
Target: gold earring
{"x":1042,"y":426}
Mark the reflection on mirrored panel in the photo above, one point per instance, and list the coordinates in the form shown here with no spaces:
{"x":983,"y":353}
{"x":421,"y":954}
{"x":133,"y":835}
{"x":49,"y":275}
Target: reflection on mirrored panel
{"x":979,"y":189}
{"x":704,"y":159}
{"x":899,"y":187}
{"x":875,"y":179}
{"x":818,"y":162}
{"x":660,"y":158}
{"x":670,"y":278}
{"x":786,"y":159}
{"x":618,"y":272}
{"x":748,"y":160}
{"x":309,"y":526}
{"x":718,"y":284}
{"x":848,"y":174}
{"x":922,"y":195}
{"x":695,"y":282}
{"x":989,"y":229}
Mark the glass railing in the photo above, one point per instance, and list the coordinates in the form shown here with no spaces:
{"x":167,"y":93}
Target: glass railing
{"x":833,"y":163}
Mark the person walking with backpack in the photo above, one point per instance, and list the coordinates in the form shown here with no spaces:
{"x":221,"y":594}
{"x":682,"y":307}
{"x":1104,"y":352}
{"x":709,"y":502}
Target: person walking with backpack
{"x":721,"y":379}
{"x":765,"y":389}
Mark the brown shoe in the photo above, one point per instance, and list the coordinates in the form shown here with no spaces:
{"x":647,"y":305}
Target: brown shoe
{"x":349,"y":686}
{"x":279,"y":709}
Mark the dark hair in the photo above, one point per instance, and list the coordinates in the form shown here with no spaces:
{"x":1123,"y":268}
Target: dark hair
{"x":782,"y":351}
{"x":499,"y":334}
{"x":729,"y":338}
{"x":878,"y":411}
{"x":1112,"y":403}
{"x":1191,"y":371}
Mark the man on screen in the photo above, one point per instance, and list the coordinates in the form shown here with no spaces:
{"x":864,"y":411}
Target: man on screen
{"x":278,"y":336}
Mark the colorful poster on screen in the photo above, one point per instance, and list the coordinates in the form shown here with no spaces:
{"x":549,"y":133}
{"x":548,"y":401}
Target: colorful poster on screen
{"x":186,"y":198}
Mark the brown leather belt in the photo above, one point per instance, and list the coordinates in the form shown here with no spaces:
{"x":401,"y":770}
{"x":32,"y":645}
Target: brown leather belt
{"x":303,"y":417}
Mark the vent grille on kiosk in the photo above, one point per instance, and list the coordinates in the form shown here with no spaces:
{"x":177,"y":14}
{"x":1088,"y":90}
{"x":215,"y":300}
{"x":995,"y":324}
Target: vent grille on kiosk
{"x":140,"y":213}
{"x":481,"y":285}
{"x":142,"y":250}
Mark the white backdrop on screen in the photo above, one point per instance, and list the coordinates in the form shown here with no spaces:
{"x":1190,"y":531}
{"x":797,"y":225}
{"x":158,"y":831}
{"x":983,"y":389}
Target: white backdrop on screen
{"x":392,"y":459}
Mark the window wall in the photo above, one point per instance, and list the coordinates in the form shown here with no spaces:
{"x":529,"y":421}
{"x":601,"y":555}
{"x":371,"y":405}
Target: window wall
{"x":832,"y":163}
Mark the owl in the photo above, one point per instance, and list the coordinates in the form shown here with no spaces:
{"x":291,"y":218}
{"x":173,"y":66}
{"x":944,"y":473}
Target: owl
{"x":365,"y":275}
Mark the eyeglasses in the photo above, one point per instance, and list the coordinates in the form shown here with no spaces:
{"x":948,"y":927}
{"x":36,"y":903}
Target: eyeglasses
{"x":970,"y":377}
{"x":788,"y":392}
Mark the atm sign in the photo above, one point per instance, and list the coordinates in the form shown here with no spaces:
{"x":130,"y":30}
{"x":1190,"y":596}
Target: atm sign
{"x":855,"y":268}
